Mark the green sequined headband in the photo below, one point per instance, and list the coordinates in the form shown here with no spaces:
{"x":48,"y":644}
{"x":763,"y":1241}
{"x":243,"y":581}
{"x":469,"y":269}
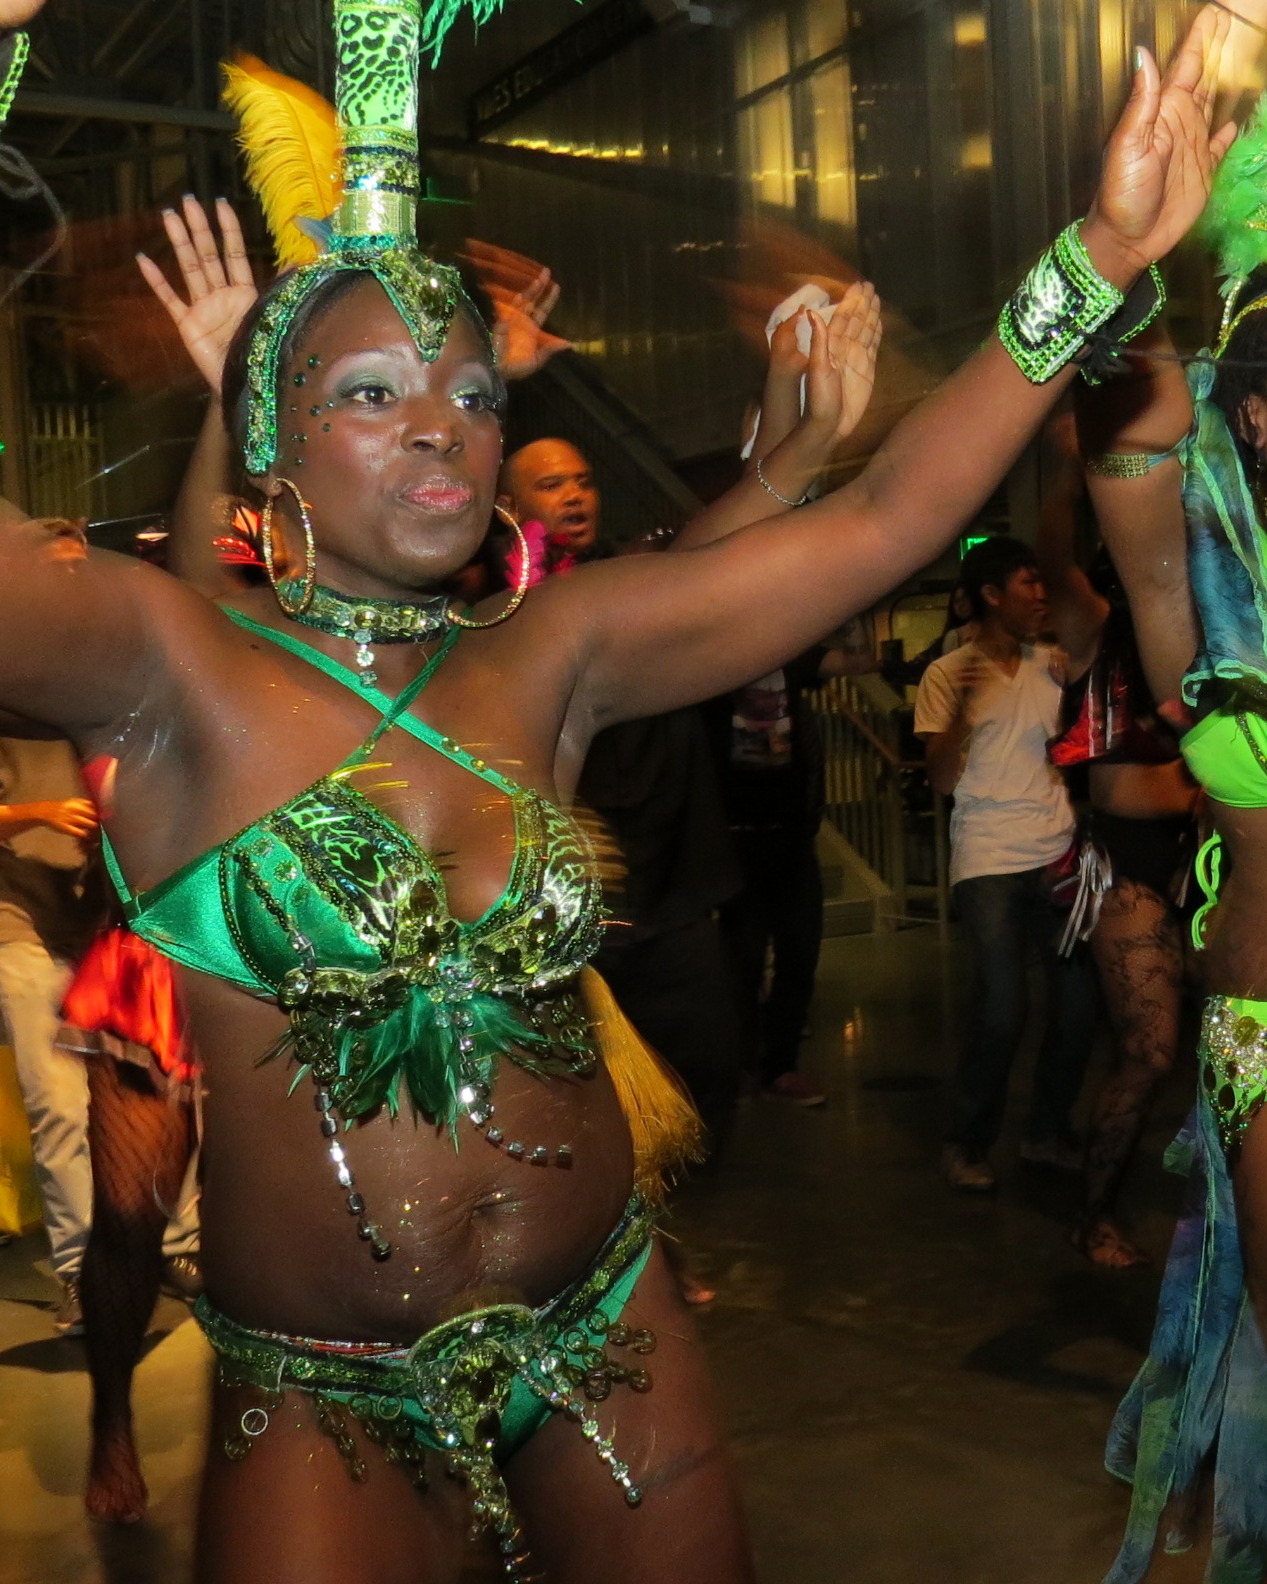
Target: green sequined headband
{"x":374,"y":229}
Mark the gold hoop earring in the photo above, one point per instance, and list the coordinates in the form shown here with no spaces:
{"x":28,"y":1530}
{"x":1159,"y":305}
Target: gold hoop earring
{"x":521,"y":588}
{"x":309,"y":584}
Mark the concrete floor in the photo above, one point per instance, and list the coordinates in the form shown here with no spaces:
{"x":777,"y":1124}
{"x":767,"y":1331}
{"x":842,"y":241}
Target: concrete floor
{"x":918,"y":1383}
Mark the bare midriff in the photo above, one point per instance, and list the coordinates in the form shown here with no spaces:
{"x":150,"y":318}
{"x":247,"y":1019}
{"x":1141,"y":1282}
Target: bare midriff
{"x":468,"y":1226}
{"x":1142,"y":791}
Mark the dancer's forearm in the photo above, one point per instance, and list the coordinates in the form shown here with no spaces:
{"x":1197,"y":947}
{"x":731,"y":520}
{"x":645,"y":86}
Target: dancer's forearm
{"x":203,"y":511}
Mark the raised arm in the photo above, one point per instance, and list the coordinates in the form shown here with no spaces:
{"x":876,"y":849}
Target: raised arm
{"x":1075,"y":610}
{"x":792,"y":448}
{"x":220,"y":289}
{"x":523,"y":294}
{"x":78,"y":636}
{"x":1142,"y":415}
{"x":203,"y":511}
{"x":658,"y":633}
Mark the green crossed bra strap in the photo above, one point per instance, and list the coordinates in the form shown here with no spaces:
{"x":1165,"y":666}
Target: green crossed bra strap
{"x":126,"y":896}
{"x":393,"y":713}
{"x":394,"y":710}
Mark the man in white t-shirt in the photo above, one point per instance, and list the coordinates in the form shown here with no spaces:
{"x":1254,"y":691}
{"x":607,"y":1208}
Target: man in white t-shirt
{"x":986,"y":712}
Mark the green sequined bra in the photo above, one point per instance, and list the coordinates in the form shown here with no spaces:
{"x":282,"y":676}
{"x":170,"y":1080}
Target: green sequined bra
{"x":332,"y":909}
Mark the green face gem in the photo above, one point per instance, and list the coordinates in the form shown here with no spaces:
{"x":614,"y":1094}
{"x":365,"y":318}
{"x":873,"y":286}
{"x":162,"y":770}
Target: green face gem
{"x":313,"y":412}
{"x":313,"y":361}
{"x":326,"y":427}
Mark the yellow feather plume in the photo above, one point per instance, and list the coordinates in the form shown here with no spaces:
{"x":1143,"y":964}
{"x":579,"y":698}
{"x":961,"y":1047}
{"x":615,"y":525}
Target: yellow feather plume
{"x":664,"y":1125}
{"x":293,"y":160}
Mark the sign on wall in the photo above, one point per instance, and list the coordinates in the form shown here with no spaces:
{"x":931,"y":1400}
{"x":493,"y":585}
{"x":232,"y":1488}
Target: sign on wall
{"x":602,"y":32}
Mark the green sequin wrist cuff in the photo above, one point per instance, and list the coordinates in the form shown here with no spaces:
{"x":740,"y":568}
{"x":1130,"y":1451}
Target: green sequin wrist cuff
{"x":1104,"y":357}
{"x":1062,"y":301}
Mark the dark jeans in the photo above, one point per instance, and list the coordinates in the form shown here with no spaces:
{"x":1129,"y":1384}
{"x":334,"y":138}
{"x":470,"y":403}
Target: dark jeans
{"x":676,"y":988}
{"x":780,"y":907}
{"x":1003,"y":917}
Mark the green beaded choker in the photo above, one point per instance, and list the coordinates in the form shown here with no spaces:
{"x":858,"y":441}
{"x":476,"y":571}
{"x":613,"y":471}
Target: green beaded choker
{"x":366,"y":621}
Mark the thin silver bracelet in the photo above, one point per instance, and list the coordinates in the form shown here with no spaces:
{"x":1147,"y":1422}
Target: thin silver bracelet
{"x":770,"y":489}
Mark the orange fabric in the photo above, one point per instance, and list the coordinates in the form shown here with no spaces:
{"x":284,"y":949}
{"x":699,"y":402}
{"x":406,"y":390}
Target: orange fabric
{"x":124,"y":987}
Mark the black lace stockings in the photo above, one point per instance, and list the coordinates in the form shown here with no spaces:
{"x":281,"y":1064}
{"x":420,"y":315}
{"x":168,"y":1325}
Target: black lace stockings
{"x":1139,"y":954}
{"x":140,"y":1143}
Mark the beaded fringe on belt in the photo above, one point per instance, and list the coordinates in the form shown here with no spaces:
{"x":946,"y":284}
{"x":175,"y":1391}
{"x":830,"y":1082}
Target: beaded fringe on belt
{"x":471,"y":1388}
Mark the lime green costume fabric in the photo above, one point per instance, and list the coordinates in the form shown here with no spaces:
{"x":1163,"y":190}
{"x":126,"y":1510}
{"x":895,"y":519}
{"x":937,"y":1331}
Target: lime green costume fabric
{"x":1201,"y":1396}
{"x":1227,"y":566}
{"x":1227,"y":753}
{"x":14,"y":49}
{"x":329,"y":906}
{"x":1233,"y":1053}
{"x":1202,"y":1392}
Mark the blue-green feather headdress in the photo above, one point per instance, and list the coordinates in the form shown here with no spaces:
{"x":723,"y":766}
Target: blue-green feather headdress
{"x":1234,"y":223}
{"x":379,"y":45}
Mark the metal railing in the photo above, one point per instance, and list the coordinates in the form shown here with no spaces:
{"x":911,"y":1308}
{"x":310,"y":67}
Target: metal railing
{"x":867,"y":785}
{"x":63,"y":449}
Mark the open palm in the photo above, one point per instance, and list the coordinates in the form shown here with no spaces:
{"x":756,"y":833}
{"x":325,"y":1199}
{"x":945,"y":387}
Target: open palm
{"x":217,"y":279}
{"x":840,"y":366}
{"x":853,"y":339}
{"x":523,"y":294}
{"x":1161,"y":157}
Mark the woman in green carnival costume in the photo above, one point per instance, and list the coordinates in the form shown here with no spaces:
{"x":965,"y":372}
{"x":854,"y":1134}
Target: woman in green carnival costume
{"x":1175,"y":465}
{"x":438,"y":1246}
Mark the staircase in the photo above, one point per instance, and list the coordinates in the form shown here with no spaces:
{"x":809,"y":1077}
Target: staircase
{"x":871,"y":827}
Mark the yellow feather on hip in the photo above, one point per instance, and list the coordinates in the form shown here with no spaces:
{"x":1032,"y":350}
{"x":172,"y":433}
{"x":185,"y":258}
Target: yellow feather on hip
{"x":290,"y":137}
{"x":663,"y":1124}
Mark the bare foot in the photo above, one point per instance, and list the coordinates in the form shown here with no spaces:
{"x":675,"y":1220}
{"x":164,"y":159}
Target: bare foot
{"x":1105,"y":1244}
{"x":116,"y":1491}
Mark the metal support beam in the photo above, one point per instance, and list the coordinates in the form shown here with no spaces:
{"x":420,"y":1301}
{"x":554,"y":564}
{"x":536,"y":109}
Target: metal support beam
{"x":75,"y":164}
{"x":29,"y":102}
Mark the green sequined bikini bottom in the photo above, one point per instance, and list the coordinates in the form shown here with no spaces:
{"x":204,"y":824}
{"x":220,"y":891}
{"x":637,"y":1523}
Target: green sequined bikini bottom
{"x":1233,"y":1055}
{"x":474,"y":1389}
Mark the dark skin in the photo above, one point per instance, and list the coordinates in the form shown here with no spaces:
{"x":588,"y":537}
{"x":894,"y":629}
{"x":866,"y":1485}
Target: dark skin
{"x":1137,"y":942}
{"x":1142,"y":521}
{"x":551,"y":481}
{"x":213,"y":728}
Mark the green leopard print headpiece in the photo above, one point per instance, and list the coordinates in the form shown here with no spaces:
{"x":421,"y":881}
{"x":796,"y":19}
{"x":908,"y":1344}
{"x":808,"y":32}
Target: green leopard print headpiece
{"x":379,"y":45}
